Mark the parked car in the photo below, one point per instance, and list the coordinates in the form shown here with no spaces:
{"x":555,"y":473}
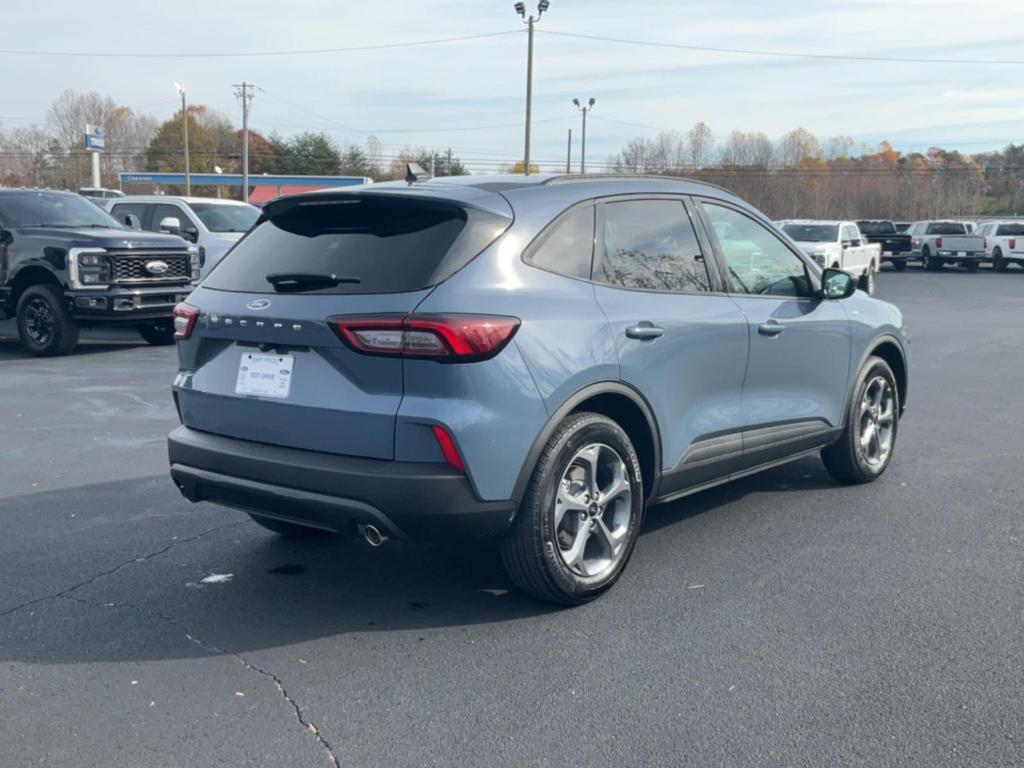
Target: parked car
{"x":100,"y":193}
{"x":1004,"y":243}
{"x":211,"y":223}
{"x":532,"y":358}
{"x":66,"y":264}
{"x":937,"y":243}
{"x":894,"y":245}
{"x":836,"y":244}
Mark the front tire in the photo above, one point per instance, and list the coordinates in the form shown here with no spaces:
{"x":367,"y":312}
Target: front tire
{"x":45,"y":326}
{"x":159,"y":333}
{"x":581,"y":514}
{"x":863,"y":451}
{"x":929,"y":262}
{"x":867,"y":282}
{"x":971,"y":266}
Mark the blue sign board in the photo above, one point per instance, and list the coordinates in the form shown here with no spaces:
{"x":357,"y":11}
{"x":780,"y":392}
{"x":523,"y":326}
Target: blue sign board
{"x":94,"y":139}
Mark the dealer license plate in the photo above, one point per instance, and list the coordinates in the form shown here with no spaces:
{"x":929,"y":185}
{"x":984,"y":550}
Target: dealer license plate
{"x":265,"y":375}
{"x":961,"y":254}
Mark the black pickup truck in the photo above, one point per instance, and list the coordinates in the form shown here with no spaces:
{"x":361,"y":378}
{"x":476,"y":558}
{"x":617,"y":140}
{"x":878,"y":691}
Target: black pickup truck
{"x":895,"y":244}
{"x":66,"y":264}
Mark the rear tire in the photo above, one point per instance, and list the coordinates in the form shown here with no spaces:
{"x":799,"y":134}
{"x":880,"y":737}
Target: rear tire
{"x":289,"y":530}
{"x":863,"y":451}
{"x":580,"y":517}
{"x":159,"y":333}
{"x":45,"y":326}
{"x":999,"y":264}
{"x":900,"y":265}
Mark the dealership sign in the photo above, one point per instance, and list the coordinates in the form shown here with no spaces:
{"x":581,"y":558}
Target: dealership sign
{"x":94,"y":139}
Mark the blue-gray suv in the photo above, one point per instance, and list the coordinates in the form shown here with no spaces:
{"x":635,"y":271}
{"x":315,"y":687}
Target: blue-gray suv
{"x":533,"y":359}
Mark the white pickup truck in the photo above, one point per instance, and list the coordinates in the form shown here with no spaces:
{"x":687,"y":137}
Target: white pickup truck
{"x":837,"y":244}
{"x":937,"y":243}
{"x":1004,"y":242}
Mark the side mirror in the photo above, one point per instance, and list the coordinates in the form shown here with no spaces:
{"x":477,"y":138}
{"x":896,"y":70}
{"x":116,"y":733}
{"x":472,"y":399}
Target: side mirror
{"x":847,"y":243}
{"x":836,"y":284}
{"x":191,"y":234}
{"x":132,"y":221}
{"x":171,"y":225}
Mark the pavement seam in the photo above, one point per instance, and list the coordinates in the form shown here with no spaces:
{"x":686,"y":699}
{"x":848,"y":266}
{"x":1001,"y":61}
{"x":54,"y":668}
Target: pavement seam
{"x":305,"y":722}
{"x":109,"y":572}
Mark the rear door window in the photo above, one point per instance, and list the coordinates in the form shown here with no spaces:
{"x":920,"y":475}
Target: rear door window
{"x":374,"y":243}
{"x":650,"y":245}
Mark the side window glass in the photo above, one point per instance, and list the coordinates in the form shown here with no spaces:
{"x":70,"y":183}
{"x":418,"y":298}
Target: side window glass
{"x":123,"y":210}
{"x":650,"y":245}
{"x":569,"y":247}
{"x":161,"y":212}
{"x":758,"y":262}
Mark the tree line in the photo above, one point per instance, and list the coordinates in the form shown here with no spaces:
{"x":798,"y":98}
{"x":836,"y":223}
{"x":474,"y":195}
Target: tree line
{"x":800,"y":175}
{"x":53,"y":154}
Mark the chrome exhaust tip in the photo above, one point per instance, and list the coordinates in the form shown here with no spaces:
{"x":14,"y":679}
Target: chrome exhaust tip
{"x":372,"y":535}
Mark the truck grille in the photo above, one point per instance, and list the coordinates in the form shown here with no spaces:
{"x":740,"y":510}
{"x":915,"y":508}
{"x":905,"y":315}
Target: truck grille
{"x":146,"y":267}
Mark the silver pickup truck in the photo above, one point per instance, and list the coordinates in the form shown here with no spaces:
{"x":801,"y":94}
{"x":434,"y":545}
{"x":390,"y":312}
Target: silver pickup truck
{"x":937,"y":243}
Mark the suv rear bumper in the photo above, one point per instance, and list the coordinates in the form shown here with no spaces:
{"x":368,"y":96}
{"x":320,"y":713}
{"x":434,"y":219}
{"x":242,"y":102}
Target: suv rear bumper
{"x":405,"y":500}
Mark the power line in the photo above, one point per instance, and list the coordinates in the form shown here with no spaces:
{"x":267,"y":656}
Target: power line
{"x":243,"y":54}
{"x":783,"y":54}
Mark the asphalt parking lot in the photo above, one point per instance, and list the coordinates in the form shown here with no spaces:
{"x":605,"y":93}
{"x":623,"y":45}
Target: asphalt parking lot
{"x":780,"y":621}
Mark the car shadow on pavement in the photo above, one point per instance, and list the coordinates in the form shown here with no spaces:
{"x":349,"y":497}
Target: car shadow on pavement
{"x":233,"y":587}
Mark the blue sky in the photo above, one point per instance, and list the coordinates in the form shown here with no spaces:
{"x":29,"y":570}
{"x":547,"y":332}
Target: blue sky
{"x":431,"y":95}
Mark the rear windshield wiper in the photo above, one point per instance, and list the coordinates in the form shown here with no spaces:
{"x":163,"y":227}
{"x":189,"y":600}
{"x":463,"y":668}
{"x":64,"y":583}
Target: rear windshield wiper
{"x":298,"y":281}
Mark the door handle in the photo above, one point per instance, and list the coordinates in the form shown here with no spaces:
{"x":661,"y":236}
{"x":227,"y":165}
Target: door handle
{"x":645,"y":331}
{"x":771,"y":328}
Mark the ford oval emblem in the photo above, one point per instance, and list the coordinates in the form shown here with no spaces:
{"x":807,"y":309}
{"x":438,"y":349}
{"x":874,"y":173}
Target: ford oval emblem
{"x":258,"y":304}
{"x":157,"y":267}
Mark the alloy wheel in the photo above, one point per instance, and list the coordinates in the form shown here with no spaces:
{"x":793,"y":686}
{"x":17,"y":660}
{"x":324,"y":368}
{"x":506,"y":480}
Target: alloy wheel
{"x":877,"y":421}
{"x":39,"y":321}
{"x":593,"y":511}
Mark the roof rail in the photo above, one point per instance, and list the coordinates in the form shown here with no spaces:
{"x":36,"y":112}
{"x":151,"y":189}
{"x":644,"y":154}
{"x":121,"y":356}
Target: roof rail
{"x":573,"y":178}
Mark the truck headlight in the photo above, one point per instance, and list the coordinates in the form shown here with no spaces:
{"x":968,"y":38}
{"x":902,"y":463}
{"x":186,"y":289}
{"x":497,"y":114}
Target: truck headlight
{"x":195,"y":260}
{"x":90,"y":268}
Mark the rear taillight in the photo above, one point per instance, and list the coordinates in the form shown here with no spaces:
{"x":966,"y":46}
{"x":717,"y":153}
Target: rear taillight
{"x":938,"y":242}
{"x":445,"y":338}
{"x":185,"y":317}
{"x":447,"y":444}
{"x":1013,"y":244}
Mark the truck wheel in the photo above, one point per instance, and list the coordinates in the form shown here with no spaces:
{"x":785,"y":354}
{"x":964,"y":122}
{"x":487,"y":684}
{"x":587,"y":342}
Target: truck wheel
{"x":900,"y":265}
{"x":44,"y":323}
{"x":971,"y":266}
{"x":159,"y":333}
{"x":867,"y":282}
{"x":580,"y":515}
{"x":864,"y":450}
{"x":998,"y":262}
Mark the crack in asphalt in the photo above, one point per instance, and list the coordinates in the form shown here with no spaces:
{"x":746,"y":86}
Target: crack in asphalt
{"x":110,"y":571}
{"x":304,"y":721}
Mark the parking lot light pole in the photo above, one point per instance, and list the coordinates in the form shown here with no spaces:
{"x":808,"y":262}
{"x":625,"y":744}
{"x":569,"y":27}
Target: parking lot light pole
{"x":583,"y":147}
{"x":529,"y":21}
{"x":184,"y":123}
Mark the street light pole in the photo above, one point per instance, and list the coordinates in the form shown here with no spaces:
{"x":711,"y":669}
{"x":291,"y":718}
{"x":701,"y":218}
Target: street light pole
{"x":529,"y":21}
{"x":244,"y":92}
{"x":184,"y":123}
{"x":583,"y":148}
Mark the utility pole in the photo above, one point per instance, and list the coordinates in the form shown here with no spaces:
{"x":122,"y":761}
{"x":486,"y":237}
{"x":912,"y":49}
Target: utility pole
{"x":184,"y":124}
{"x":449,"y":161}
{"x":244,"y":92}
{"x":583,"y":146}
{"x":529,"y":21}
{"x":568,"y":153}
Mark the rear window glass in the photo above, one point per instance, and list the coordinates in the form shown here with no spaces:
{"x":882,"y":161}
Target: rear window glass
{"x":877,"y":227}
{"x":1016,"y":230}
{"x":812,"y":233}
{"x":946,"y":228}
{"x":373,"y":243}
